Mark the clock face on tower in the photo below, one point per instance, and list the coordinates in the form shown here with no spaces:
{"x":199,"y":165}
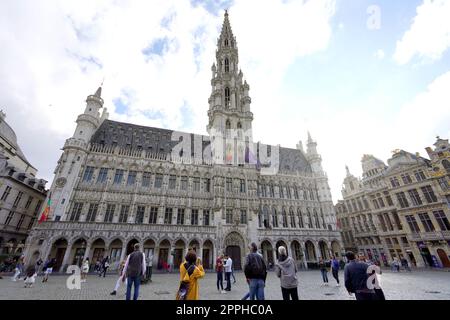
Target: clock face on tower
{"x":60,"y":182}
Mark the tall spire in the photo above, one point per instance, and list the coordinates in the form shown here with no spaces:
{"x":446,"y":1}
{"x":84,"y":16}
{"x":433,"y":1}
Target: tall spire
{"x":98,"y":93}
{"x":347,"y":171}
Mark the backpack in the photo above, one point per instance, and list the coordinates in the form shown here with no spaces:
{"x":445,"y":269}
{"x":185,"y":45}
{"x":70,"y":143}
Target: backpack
{"x":184,"y":284}
{"x":255,"y":265}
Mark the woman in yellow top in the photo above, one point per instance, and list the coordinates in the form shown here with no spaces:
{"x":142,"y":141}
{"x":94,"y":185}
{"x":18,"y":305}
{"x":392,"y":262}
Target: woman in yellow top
{"x":191,"y":271}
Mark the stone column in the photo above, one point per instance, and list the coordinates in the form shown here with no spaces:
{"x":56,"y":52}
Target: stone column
{"x":155,"y":257}
{"x":303,"y":246}
{"x":171,"y":249}
{"x":66,"y":257}
{"x":87,"y":251}
{"x":124,"y":251}
{"x":318,"y":254}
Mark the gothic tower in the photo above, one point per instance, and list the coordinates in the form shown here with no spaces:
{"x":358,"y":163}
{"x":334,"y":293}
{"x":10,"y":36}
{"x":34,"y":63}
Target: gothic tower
{"x":230,"y":119}
{"x":74,"y":154}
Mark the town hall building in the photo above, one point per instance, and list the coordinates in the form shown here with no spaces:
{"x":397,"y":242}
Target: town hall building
{"x":117,"y":184}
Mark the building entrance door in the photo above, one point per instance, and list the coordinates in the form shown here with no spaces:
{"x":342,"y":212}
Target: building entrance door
{"x":444,"y":259}
{"x":205,"y":258}
{"x":59,"y":258}
{"x":163,"y":258}
{"x":234,"y":252}
{"x":177,"y":258}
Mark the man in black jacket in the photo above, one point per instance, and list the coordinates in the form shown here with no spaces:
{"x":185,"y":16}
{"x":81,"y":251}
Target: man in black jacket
{"x":355,"y":277}
{"x":256,"y":273}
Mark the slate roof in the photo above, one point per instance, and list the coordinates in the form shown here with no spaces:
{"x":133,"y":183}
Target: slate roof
{"x":127,"y":135}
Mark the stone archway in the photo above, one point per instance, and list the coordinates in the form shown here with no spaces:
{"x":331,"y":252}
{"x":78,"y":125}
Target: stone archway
{"x":310,"y":252}
{"x":323,"y":247}
{"x":234,"y":247}
{"x":208,"y":254}
{"x":267,"y":251}
{"x":178,"y":254}
{"x":336,"y":249}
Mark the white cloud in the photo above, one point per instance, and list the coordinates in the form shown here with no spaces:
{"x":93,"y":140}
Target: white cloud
{"x":429,"y":34}
{"x":379,"y":54}
{"x":355,"y":131}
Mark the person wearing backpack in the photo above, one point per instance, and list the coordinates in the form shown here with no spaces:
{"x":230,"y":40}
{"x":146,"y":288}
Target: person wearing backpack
{"x":335,"y":270}
{"x":286,"y":270}
{"x":190,"y":272}
{"x":133,"y":270}
{"x":256,"y":273}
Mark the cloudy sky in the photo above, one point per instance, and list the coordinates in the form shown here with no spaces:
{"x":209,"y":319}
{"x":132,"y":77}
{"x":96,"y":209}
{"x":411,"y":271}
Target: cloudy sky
{"x":361,"y":78}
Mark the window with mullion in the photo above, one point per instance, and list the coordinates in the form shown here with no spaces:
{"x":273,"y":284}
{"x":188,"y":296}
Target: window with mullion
{"x":442,"y":220}
{"x":92,"y":212}
{"x":180,"y":216}
{"x":140,"y":211}
{"x":426,"y":222}
{"x":194,"y":217}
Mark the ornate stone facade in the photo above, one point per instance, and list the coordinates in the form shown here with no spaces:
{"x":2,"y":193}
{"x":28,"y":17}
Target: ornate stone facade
{"x":117,"y":184}
{"x":400,"y":210}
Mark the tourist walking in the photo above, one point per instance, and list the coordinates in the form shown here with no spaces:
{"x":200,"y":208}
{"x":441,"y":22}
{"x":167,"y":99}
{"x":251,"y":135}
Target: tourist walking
{"x":286,"y":270}
{"x":120,"y":279}
{"x":84,"y":270}
{"x":48,"y":269}
{"x":335,"y":270}
{"x":355,"y":278}
{"x":256,"y":273}
{"x":38,"y":265}
{"x":104,"y":267}
{"x":30,"y":277}
{"x":134,"y":269}
{"x":16,"y":275}
{"x":219,"y":273}
{"x":228,"y":270}
{"x":190,"y":272}
{"x":405,"y":264}
{"x":324,"y":271}
{"x":148,"y":273}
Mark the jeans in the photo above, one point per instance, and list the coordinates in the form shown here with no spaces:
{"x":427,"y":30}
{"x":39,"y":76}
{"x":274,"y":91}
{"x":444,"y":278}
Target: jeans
{"x":324,"y":275}
{"x":228,"y":280}
{"x":232,"y":274}
{"x":137,"y":282}
{"x":256,"y":289}
{"x":247,"y":295}
{"x":335,"y":273}
{"x":148,"y":274}
{"x":103,"y":272}
{"x":219,"y":279}
{"x":289,"y":293}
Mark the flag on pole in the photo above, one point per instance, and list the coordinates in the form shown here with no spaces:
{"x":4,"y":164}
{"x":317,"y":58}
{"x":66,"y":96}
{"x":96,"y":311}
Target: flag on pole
{"x":46,"y":211}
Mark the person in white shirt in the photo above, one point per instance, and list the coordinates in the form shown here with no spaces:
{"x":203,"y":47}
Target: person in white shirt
{"x":227,"y":266}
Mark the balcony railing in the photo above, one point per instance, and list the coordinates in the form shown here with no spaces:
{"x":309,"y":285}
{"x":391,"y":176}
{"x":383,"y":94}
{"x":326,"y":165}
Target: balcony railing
{"x":436,"y":235}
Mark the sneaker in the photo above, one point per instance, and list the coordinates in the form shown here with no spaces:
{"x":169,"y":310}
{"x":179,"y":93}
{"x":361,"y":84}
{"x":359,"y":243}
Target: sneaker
{"x":338,"y":285}
{"x":113,"y":293}
{"x":223,"y":291}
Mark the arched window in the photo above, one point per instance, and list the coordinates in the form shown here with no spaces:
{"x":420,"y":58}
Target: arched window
{"x":266,"y":218}
{"x":274,"y":218}
{"x":284,"y":217}
{"x":227,"y":65}
{"x":226,"y":42}
{"x":310,"y":224}
{"x":227,"y":97}
{"x":228,"y":128}
{"x":446,"y":165}
{"x":300,"y":218}
{"x":292,"y":217}
{"x":316,"y":219}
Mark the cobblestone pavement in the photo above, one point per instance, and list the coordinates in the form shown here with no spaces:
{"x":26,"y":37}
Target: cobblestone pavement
{"x":418,"y":285}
